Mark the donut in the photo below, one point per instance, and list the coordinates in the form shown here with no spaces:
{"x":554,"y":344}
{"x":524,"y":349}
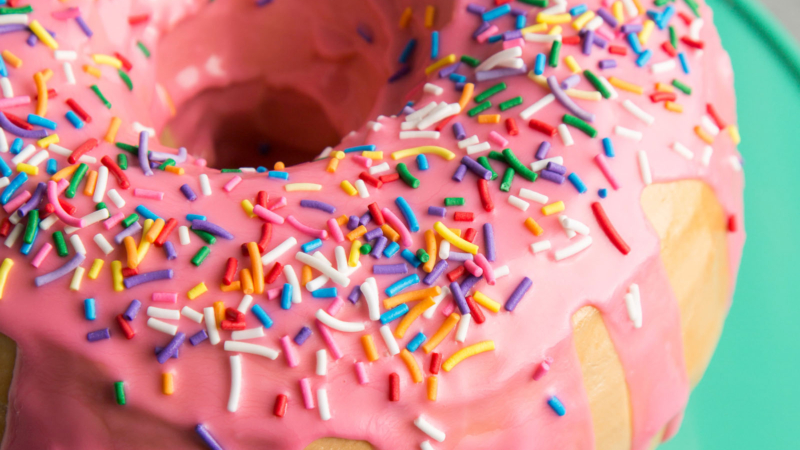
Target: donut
{"x":529,"y":240}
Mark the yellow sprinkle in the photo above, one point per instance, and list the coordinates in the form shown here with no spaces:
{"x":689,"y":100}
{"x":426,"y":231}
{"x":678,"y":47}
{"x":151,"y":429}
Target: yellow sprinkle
{"x":626,"y":86}
{"x":5,"y":268}
{"x":154,"y":230}
{"x":47,"y":140}
{"x":43,"y":34}
{"x":94,"y":271}
{"x":430,"y":15}
{"x":553,"y":208}
{"x":372,"y":155}
{"x":425,"y":149}
{"x":582,"y":20}
{"x":107,"y":60}
{"x":333,"y":164}
{"x":369,"y":347}
{"x":466,"y":352}
{"x":77,"y":277}
{"x":197,"y":291}
{"x":167,"y":383}
{"x":356,"y":233}
{"x":555,"y":30}
{"x":553,"y":19}
{"x":489,"y":118}
{"x":246,"y":278}
{"x":466,"y":95}
{"x":593,"y":96}
{"x":446,"y":61}
{"x":144,"y":245}
{"x":11,"y":59}
{"x":647,"y":30}
{"x":111,"y":132}
{"x":701,"y":133}
{"x":65,"y":172}
{"x":235,"y":286}
{"x":617,"y":11}
{"x":411,"y":363}
{"x":354,"y":253}
{"x":296,"y":187}
{"x":433,"y":385}
{"x":662,"y":87}
{"x":445,"y":329}
{"x":279,"y":166}
{"x":305,"y":275}
{"x":411,"y":296}
{"x":91,"y":182}
{"x":390,"y":233}
{"x":674,"y":107}
{"x":733,"y":132}
{"x":460,"y":243}
{"x":481,"y":299}
{"x":348,"y":188}
{"x":116,"y":276}
{"x":639,"y":7}
{"x":219,"y":311}
{"x":247,"y":206}
{"x":166,"y":99}
{"x":411,"y":316}
{"x":533,"y":227}
{"x":174,"y":170}
{"x":28,"y":169}
{"x":572,"y":64}
{"x":93,"y":71}
{"x":41,"y":91}
{"x":538,"y":28}
{"x":405,"y":18}
{"x":338,"y":154}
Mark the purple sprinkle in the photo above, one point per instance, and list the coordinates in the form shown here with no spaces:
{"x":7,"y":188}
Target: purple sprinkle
{"x":355,"y":294}
{"x":476,"y":168}
{"x":458,"y":296}
{"x":518,"y":293}
{"x":171,"y":348}
{"x":133,"y":310}
{"x":459,"y":256}
{"x":390,"y":269}
{"x":488,"y":239}
{"x":21,"y":132}
{"x":12,"y":27}
{"x":460,"y":86}
{"x":599,"y":41}
{"x":170,"y":249}
{"x":198,"y":337}
{"x":460,"y":172}
{"x":130,"y":231}
{"x":458,"y":131}
{"x":144,"y":163}
{"x":261,"y":3}
{"x":556,"y":167}
{"x":364,"y":32}
{"x":518,"y":12}
{"x":212,"y":228}
{"x":142,"y":278}
{"x":302,"y":335}
{"x":188,"y":193}
{"x":352,"y":223}
{"x":316,"y":204}
{"x":159,"y":348}
{"x":365,"y":219}
{"x":34,"y":201}
{"x":435,"y":273}
{"x":32,"y":40}
{"x":403,"y":71}
{"x":494,"y":74}
{"x":567,"y":102}
{"x":407,"y":110}
{"x":552,"y":176}
{"x":541,"y":152}
{"x":586,"y":45}
{"x":607,"y":64}
{"x":438,"y":211}
{"x":374,"y":233}
{"x":94,"y":336}
{"x":446,"y":71}
{"x":512,"y":34}
{"x":571,"y":81}
{"x":380,"y":245}
{"x":207,"y":438}
{"x":154,"y":164}
{"x":607,"y":17}
{"x":631,"y":28}
{"x":467,"y":284}
{"x":478,"y":10}
{"x":481,"y":28}
{"x":81,"y":23}
{"x":71,"y":265}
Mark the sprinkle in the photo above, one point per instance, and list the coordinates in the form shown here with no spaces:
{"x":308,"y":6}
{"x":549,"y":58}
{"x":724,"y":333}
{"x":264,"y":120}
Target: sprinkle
{"x":426,"y":427}
{"x":444,"y":153}
{"x":626,"y":86}
{"x":628,"y":133}
{"x":5,"y":269}
{"x":100,"y":95}
{"x":445,"y":61}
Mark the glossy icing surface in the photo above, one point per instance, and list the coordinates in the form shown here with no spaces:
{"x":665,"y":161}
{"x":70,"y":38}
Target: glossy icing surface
{"x":62,"y":394}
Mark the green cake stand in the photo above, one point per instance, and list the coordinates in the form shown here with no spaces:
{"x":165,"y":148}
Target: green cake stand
{"x":750,"y":395}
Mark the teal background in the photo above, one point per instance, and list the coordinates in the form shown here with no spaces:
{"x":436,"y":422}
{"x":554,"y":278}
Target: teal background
{"x":750,"y":396}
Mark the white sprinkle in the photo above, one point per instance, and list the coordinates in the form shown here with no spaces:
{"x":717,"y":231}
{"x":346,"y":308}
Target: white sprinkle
{"x":103,"y":243}
{"x":5,"y":85}
{"x":518,"y":203}
{"x":628,"y":133}
{"x":695,"y":27}
{"x":503,"y":55}
{"x":13,"y":19}
{"x":65,"y":55}
{"x":117,"y":199}
{"x":370,"y":291}
{"x":191,"y":314}
{"x":90,"y":219}
{"x":463,"y":327}
{"x":389,"y":340}
{"x":570,"y":232}
{"x":436,"y":300}
{"x":638,"y":112}
{"x":426,"y":427}
{"x":541,"y":164}
{"x":540,"y":246}
{"x":559,"y":8}
{"x":682,"y":150}
{"x":279,"y":250}
{"x":163,"y":313}
{"x":341,"y":258}
{"x":68,"y":74}
{"x":472,"y":140}
{"x":417,"y":115}
{"x":630,"y":8}
{"x":609,"y":87}
{"x":433,"y":89}
{"x":3,"y":142}
{"x":236,"y":382}
{"x":205,"y":185}
{"x":77,"y":244}
{"x":542,"y":38}
{"x":534,"y":108}
{"x":634,"y":307}
{"x":338,"y":325}
{"x":138,"y":128}
{"x":408,"y":125}
{"x":419,"y":135}
{"x":573,"y":249}
{"x":576,"y":226}
{"x":253,"y":349}
{"x":48,"y":222}
{"x":322,"y":403}
{"x":663,"y":66}
{"x":594,"y":24}
{"x":512,"y":63}
{"x":244,"y":304}
{"x":291,"y":278}
{"x":326,"y":270}
{"x":533,"y":196}
{"x":4,"y":182}
{"x":24,"y":154}
{"x":361,"y":187}
{"x":39,"y":158}
{"x":502,"y":271}
{"x":644,"y":168}
{"x":211,"y":325}
{"x":14,"y":235}
{"x":250,"y":333}
{"x":374,"y":126}
{"x":478,"y":148}
{"x":735,"y":163}
{"x":425,"y":445}
{"x":444,"y":250}
{"x":382,"y":167}
{"x":77,"y":277}
{"x":709,"y":125}
{"x":322,"y":362}
{"x":161,"y":326}
{"x":183,"y":233}
{"x":707,"y":152}
{"x":101,"y":184}
{"x":566,"y":137}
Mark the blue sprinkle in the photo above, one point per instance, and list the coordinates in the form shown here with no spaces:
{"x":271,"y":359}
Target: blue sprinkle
{"x":146,"y":213}
{"x":74,"y":120}
{"x":521,"y":22}
{"x":495,"y":38}
{"x":409,"y":256}
{"x":541,"y":60}
{"x":52,"y":166}
{"x":309,"y":247}
{"x":16,"y":146}
{"x":89,"y":309}
{"x":665,"y":17}
{"x":261,"y":316}
{"x":576,"y":181}
{"x":12,"y":187}
{"x":330,"y":292}
{"x":496,"y":12}
{"x":40,"y":121}
{"x":286,"y":296}
{"x":360,"y":148}
{"x":434,"y":45}
{"x":635,"y":43}
{"x":4,"y":169}
{"x":608,"y":147}
{"x":408,"y":51}
{"x":191,"y":217}
{"x":3,"y":68}
{"x":422,"y":162}
{"x":644,"y":58}
{"x":261,"y":169}
{"x":408,"y":213}
{"x":401,"y":284}
{"x":391,"y":250}
{"x":278,"y":174}
{"x":578,"y":10}
{"x":394,"y":313}
{"x":603,"y":193}
{"x":556,"y":405}
{"x":684,"y":63}
{"x":415,"y":343}
{"x":458,"y":78}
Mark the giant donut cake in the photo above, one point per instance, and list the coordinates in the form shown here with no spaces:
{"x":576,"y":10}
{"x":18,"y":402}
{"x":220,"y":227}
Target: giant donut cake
{"x":534,"y":246}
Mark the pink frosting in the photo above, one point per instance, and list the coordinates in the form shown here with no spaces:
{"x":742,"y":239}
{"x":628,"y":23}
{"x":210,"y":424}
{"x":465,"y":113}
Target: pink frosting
{"x":62,"y":393}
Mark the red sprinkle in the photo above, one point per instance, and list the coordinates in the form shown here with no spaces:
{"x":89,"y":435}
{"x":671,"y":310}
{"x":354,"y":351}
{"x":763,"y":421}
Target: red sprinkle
{"x":136,"y":20}
{"x":370,"y":180}
{"x":394,"y":387}
{"x":281,"y":401}
{"x":692,"y":43}
{"x":122,"y":179}
{"x":262,"y":198}
{"x":17,"y":121}
{"x":511,"y":127}
{"x":49,"y":208}
{"x":389,"y":178}
{"x":51,"y":93}
{"x":454,"y":274}
{"x":77,"y":109}
{"x":540,"y":126}
{"x":609,"y":229}
{"x":687,"y":19}
{"x":266,"y":236}
{"x":462,"y":216}
{"x":617,"y":50}
{"x":715,"y":116}
{"x":234,"y":315}
{"x":5,"y":227}
{"x":125,"y":63}
{"x":501,"y":2}
{"x":230,"y":271}
{"x":129,"y":272}
{"x":127,"y":330}
{"x":375,"y":212}
{"x":83,"y":149}
{"x":663,"y":97}
{"x":164,"y":234}
{"x":469,"y":234}
{"x":486,"y":199}
{"x":66,"y":206}
{"x":443,"y":123}
{"x":229,"y":325}
{"x":475,"y":310}
{"x":571,"y":40}
{"x":732,"y":223}
{"x":669,"y":49}
{"x":436,"y":362}
{"x":276,"y":270}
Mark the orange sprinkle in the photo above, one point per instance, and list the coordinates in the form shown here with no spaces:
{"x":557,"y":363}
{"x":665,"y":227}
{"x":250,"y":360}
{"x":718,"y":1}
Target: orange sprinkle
{"x":333,"y":164}
{"x":447,"y":326}
{"x":369,"y":347}
{"x":113,"y":127}
{"x":389,"y":232}
{"x":674,"y":107}
{"x":533,"y":227}
{"x":235,"y":286}
{"x":411,"y":316}
{"x":305,"y":275}
{"x":430,"y":16}
{"x":489,"y":118}
{"x":701,"y":133}
{"x":357,"y":233}
{"x":430,"y":247}
{"x":219,"y":311}
{"x":91,"y":70}
{"x":11,"y":59}
{"x":174,"y":169}
{"x":466,"y":95}
{"x":411,"y":363}
{"x":41,"y":89}
{"x":405,"y":18}
{"x":279,"y":165}
{"x":433,"y":388}
{"x":91,"y":182}
{"x":626,"y":86}
{"x":47,"y":74}
{"x":246,"y":278}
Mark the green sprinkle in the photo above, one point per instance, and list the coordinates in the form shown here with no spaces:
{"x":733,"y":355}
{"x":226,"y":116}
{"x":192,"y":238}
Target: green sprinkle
{"x":100,"y":206}
{"x":662,"y":2}
{"x":580,"y":124}
{"x":133,"y":149}
{"x":694,"y":7}
{"x":520,"y":168}
{"x":77,"y":177}
{"x":30,"y":230}
{"x":597,"y":83}
{"x":231,"y":170}
{"x":365,"y":249}
{"x":510,"y":103}
{"x":470,"y":61}
{"x":484,"y":161}
{"x":101,"y":96}
{"x":167,"y":163}
{"x":673,"y":36}
{"x":119,"y":390}
{"x":499,"y":87}
{"x":508,"y":177}
{"x":21,"y":10}
{"x":555,"y":51}
{"x":539,"y":3}
{"x":61,"y":244}
{"x":143,"y":48}
{"x":683,"y":87}
{"x":130,"y":220}
{"x":205,"y":236}
{"x":423,"y":256}
{"x":479,"y":109}
{"x":406,"y":176}
{"x":454,"y":201}
{"x":122,"y":161}
{"x":201,"y":255}
{"x":126,"y":79}
{"x":497,"y":156}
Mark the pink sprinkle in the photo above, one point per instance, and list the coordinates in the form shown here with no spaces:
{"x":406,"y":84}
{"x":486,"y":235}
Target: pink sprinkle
{"x":488,"y":33}
{"x":335,"y":306}
{"x":335,"y":230}
{"x":313,"y":232}
{"x":232,"y":183}
{"x":165,"y":297}
{"x":200,"y":162}
{"x":603,"y":33}
{"x":273,"y":293}
{"x":305,"y":388}
{"x":277,"y":204}
{"x":62,"y":186}
{"x":519,"y":42}
{"x":288,"y":352}
{"x":361,"y":373}
{"x":448,"y":308}
{"x":41,"y":255}
{"x":488,"y":271}
{"x":602,"y":163}
{"x":495,"y":137}
{"x":113,"y":220}
{"x":473,"y":268}
{"x":14,"y":101}
{"x":400,"y":227}
{"x":325,"y":332}
{"x":147,"y":193}
{"x":267,"y":215}
{"x":363,"y":160}
{"x":17,"y":201}
{"x":541,"y":369}
{"x":64,"y":14}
